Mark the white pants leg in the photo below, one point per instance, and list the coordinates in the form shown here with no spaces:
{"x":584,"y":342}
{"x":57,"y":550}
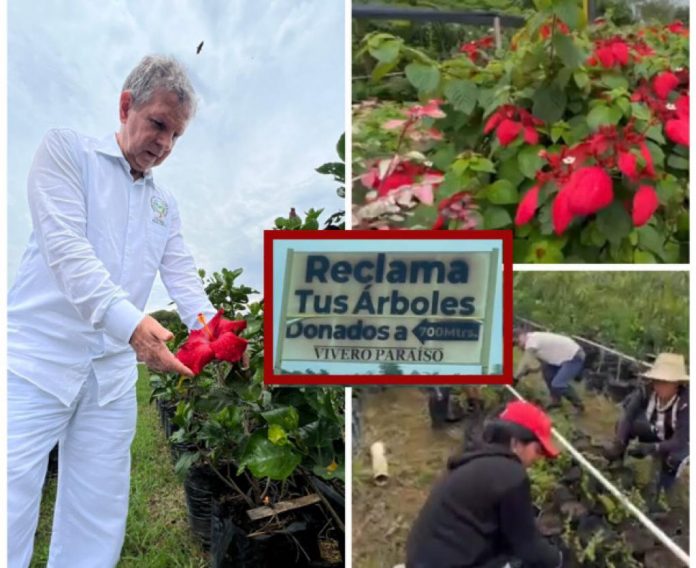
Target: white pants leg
{"x":35,"y":422}
{"x":93,"y":481}
{"x":89,"y":524}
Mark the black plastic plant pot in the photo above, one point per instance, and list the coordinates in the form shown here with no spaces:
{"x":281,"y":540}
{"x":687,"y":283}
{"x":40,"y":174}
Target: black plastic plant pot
{"x":200,"y":487}
{"x":294,"y":542}
{"x":438,"y":406}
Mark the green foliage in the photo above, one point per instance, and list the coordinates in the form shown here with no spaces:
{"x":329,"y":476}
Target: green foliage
{"x":636,"y":312}
{"x":544,"y":72}
{"x":226,"y":415}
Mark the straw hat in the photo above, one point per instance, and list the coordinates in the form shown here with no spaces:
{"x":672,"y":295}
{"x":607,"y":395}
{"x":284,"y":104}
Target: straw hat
{"x":668,"y":367}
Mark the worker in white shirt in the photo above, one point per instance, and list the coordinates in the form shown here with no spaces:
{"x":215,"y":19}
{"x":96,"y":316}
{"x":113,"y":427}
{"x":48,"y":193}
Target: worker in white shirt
{"x":102,"y":229}
{"x":561,"y":358}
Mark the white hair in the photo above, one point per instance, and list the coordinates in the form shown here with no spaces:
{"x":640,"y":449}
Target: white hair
{"x":160,"y":72}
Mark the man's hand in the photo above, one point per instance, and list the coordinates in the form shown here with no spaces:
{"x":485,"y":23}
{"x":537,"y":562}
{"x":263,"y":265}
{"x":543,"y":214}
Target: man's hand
{"x":148,"y":342}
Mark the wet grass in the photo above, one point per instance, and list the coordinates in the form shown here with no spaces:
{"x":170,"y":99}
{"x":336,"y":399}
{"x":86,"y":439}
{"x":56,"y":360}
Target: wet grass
{"x":157,"y":534}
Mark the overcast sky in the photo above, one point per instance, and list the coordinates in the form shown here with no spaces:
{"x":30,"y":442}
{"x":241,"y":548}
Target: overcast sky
{"x":270,"y":79}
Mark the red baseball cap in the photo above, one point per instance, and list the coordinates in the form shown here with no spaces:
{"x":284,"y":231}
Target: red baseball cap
{"x":533,"y":419}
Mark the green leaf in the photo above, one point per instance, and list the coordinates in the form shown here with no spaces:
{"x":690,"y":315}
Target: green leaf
{"x":341,"y":147}
{"x":265,"y":459}
{"x":614,"y":222}
{"x":569,"y":12}
{"x":423,"y":77}
{"x":549,"y":103}
{"x":640,"y":112}
{"x":529,"y":161}
{"x":381,"y":70}
{"x":463,"y":94}
{"x":444,"y":157}
{"x":677,"y":162}
{"x":668,"y":190}
{"x":650,"y":239}
{"x":602,"y":115}
{"x":478,"y":164}
{"x":502,"y":192}
{"x":496,"y":218}
{"x":510,"y":170}
{"x":544,"y":252}
{"x":184,"y":463}
{"x":582,"y":79}
{"x":614,"y":81}
{"x":277,"y":435}
{"x":571,"y":56}
{"x":386,"y":51}
{"x":642,"y":257}
{"x":285,"y":416}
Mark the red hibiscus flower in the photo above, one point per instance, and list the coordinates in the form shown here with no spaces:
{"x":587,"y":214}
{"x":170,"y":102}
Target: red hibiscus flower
{"x":216,"y":340}
{"x":528,"y":206}
{"x":590,"y":189}
{"x":645,"y":203}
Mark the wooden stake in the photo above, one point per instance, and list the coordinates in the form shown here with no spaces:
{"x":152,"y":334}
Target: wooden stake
{"x":283,"y":506}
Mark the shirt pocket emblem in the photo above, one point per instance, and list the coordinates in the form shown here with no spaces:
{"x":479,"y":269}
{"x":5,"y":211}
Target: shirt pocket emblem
{"x":160,"y":208}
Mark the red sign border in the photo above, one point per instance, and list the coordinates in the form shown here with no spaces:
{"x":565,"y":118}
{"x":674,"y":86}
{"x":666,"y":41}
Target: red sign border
{"x":270,"y":378}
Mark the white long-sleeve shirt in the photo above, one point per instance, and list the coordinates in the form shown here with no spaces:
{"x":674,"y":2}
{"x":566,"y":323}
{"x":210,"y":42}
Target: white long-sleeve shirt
{"x":98,"y":240}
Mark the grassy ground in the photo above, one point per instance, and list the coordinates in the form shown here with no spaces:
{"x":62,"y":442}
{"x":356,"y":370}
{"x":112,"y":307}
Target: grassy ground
{"x":157,"y":534}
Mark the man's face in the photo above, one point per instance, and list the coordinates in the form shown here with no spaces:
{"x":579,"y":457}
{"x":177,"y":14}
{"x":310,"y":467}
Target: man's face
{"x":150,"y":130}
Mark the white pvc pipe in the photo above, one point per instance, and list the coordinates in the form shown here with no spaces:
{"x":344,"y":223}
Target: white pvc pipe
{"x":635,"y":511}
{"x":380,"y":471}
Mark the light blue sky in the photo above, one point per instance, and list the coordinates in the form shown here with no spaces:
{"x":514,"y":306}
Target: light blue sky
{"x":280,"y":249}
{"x":270,"y":79}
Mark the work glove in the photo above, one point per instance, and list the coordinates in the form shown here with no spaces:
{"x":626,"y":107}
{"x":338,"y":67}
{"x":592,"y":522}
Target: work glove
{"x":642,"y":449}
{"x":614,"y":452}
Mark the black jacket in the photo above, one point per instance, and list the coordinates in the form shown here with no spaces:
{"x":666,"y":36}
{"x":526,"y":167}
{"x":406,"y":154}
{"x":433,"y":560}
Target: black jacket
{"x":636,"y":404}
{"x":479,"y":514}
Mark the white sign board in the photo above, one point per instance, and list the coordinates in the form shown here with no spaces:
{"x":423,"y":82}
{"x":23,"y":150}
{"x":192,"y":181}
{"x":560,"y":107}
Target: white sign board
{"x":375,"y":307}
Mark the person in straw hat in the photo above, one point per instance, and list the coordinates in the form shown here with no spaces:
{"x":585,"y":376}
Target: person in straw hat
{"x":658,"y":417}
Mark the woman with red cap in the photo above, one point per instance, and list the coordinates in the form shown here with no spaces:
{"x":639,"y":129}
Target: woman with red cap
{"x":480,"y":514}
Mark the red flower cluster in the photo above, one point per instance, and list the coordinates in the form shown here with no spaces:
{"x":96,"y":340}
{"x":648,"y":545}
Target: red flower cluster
{"x":473,"y":49}
{"x":581,"y":174}
{"x":457,"y":207}
{"x":678,"y":28}
{"x":677,"y":128}
{"x":561,"y":27}
{"x":617,"y":52}
{"x":509,"y":121}
{"x":216,"y":340}
{"x":667,"y":96}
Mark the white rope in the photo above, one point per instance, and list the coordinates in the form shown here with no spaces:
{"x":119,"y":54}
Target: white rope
{"x":652,"y":527}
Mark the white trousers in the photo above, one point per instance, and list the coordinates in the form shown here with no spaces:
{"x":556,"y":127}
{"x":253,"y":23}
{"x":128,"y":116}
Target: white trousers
{"x":89,"y":523}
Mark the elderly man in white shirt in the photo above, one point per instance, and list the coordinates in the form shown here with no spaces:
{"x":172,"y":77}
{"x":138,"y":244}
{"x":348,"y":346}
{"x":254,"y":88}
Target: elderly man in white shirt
{"x":102,"y":229}
{"x":561,"y":358}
